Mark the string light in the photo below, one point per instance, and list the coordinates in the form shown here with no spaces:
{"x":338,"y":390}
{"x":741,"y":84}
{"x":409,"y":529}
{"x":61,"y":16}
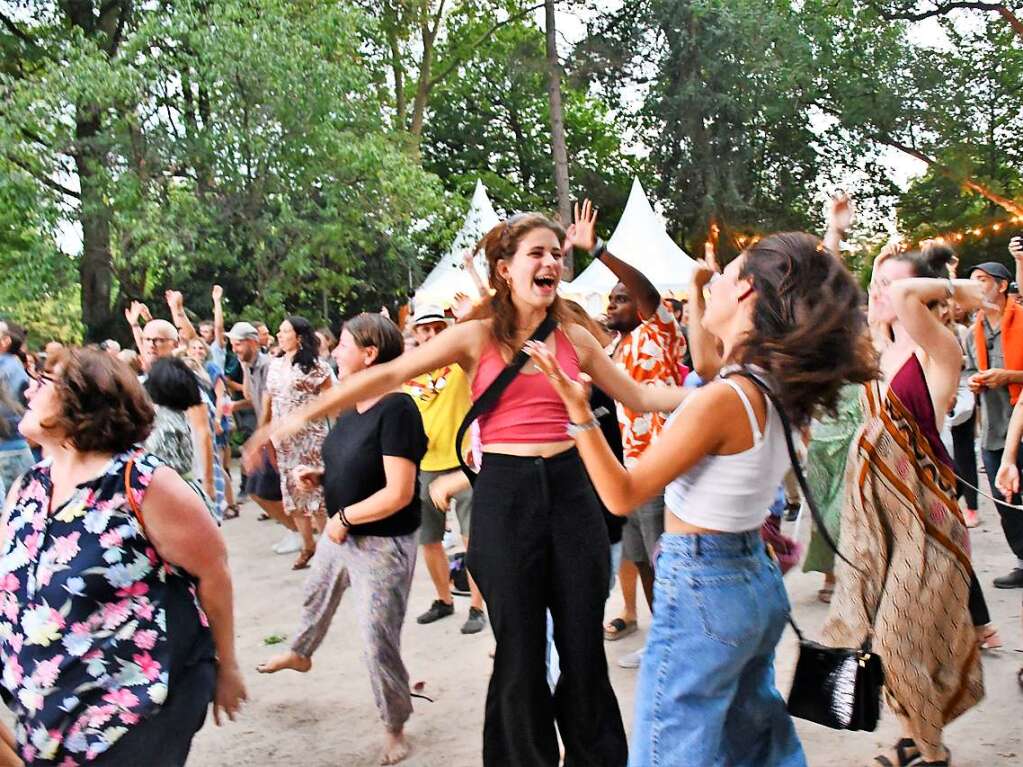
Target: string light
{"x":976,"y":231}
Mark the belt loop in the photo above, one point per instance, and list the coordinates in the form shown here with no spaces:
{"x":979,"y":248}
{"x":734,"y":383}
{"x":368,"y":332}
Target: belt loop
{"x":696,"y":542}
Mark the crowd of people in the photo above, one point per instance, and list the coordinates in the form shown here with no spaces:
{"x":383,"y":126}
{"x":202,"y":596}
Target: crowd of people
{"x":568,"y":455}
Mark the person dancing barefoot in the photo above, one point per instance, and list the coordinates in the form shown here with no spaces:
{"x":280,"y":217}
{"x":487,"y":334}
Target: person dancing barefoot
{"x":370,"y":479}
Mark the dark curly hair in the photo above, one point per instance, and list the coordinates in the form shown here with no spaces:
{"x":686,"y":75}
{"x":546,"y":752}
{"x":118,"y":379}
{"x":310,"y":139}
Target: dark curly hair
{"x":308,"y":353}
{"x":103,"y":407}
{"x":500,"y":244}
{"x":809,"y":330}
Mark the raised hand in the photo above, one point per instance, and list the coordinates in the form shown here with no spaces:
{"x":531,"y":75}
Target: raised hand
{"x":575,"y":394}
{"x":840,"y":212}
{"x":466,"y":308}
{"x":218,"y":293}
{"x":710,"y":257}
{"x":1016,"y":248}
{"x":175,"y":300}
{"x":584,"y":233}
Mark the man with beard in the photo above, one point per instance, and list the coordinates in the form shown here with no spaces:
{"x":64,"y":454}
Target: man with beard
{"x":649,"y":348}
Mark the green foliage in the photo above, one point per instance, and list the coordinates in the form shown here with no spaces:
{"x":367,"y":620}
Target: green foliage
{"x":38,"y":283}
{"x":489,"y":119}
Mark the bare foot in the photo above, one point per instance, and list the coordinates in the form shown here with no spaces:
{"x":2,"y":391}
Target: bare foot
{"x":290,"y":659}
{"x":395,"y":749}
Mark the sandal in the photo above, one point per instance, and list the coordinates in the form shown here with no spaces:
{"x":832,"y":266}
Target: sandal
{"x":946,"y":762}
{"x":303,"y":559}
{"x":263,"y":517}
{"x":619,"y":628}
{"x":824,"y":595}
{"x":903,"y":756}
{"x":232,"y":511}
{"x":988,"y":638}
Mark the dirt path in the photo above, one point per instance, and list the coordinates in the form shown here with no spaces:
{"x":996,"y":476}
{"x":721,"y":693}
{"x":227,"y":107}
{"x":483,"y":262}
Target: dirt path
{"x":326,"y":718}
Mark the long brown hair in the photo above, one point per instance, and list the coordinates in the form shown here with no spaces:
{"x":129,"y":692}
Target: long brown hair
{"x":809,"y":330}
{"x":500,"y":244}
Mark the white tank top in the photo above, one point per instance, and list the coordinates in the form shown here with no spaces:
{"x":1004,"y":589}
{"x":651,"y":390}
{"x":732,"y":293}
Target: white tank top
{"x":732,"y":493}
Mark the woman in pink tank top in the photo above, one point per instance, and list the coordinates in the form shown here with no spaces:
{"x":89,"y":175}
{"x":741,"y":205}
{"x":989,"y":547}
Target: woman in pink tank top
{"x":538,"y":538}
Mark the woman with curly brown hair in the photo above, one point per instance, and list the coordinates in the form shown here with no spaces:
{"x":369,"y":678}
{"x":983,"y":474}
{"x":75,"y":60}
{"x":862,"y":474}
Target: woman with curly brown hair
{"x":540,"y":540}
{"x":787,"y":313}
{"x":116,"y":601}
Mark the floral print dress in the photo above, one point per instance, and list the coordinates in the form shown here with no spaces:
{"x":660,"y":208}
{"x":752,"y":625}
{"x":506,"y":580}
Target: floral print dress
{"x":84,"y":605}
{"x":289,"y":388}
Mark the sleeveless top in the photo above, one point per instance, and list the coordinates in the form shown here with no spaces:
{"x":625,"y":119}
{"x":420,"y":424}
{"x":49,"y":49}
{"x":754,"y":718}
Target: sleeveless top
{"x":93,"y":624}
{"x":910,"y":386}
{"x":732,"y":493}
{"x":529,"y":410}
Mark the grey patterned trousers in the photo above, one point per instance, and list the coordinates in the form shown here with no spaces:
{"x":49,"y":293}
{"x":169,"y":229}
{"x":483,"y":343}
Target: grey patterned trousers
{"x":380,"y":571}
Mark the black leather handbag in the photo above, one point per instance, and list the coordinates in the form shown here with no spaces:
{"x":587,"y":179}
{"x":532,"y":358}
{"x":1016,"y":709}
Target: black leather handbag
{"x":839,"y":687}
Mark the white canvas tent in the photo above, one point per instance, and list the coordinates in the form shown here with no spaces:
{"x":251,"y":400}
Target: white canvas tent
{"x":449,"y":276}
{"x":641,"y":241}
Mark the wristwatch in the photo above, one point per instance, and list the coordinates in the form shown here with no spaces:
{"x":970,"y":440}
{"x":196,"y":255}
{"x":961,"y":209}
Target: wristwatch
{"x":578,"y":428}
{"x":598,"y":249}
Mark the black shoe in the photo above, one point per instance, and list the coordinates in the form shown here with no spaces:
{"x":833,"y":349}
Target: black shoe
{"x":437,"y":611}
{"x":1013,"y":580}
{"x":475,"y":623}
{"x":791,"y":512}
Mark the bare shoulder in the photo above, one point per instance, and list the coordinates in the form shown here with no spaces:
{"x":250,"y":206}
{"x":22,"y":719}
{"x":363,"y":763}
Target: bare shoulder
{"x":583,"y":341}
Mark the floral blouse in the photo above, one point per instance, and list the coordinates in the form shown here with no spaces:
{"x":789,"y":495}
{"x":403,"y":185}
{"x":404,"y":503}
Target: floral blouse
{"x":84,"y":599}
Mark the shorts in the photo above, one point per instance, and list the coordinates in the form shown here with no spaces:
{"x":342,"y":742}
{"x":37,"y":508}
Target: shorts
{"x":642,"y":531}
{"x":265,"y":482}
{"x":431,"y":529}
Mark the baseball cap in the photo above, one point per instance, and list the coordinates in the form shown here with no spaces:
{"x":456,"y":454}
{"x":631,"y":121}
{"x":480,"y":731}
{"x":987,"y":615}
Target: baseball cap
{"x":993,"y":269}
{"x":427,"y":314}
{"x":243,"y":331}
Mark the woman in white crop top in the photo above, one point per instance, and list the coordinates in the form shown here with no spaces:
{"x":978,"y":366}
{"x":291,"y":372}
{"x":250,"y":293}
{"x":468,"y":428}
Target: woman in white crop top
{"x":789,"y":311}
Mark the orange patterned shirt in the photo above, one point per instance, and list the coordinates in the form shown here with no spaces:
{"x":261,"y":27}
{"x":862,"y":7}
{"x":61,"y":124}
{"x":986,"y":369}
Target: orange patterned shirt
{"x":649,"y":355}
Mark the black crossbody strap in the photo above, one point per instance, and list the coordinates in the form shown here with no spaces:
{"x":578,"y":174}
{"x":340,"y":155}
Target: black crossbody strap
{"x":488,"y":399}
{"x":794,"y":460}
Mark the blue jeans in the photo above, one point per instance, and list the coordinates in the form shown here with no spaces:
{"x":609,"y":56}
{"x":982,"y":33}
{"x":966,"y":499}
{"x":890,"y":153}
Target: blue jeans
{"x":706,"y":694}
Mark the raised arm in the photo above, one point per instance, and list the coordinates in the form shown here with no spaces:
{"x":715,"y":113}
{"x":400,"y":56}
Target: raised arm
{"x":704,"y":348}
{"x":585,"y":236}
{"x":457,"y":344}
{"x":133,"y":313}
{"x":910,"y":298}
{"x":840,"y":215}
{"x":218,"y":316}
{"x":176,"y":304}
{"x":609,"y":377}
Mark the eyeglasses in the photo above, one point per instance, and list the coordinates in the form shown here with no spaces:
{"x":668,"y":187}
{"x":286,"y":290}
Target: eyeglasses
{"x":157,"y":341}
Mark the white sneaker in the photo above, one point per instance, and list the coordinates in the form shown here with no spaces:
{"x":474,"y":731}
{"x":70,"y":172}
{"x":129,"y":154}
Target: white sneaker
{"x":451,"y":540}
{"x":631,"y":660}
{"x":289,"y":544}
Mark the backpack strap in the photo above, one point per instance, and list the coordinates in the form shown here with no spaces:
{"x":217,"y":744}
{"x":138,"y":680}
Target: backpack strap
{"x":488,"y":399}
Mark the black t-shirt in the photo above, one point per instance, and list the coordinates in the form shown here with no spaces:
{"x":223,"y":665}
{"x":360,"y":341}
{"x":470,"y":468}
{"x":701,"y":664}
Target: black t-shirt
{"x":353,"y":460}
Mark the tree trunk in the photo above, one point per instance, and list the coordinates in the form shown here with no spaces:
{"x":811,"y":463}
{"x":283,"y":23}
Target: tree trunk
{"x":95,"y":268}
{"x":558,"y":148}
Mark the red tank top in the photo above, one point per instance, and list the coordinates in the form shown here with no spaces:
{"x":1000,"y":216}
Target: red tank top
{"x":529,"y":410}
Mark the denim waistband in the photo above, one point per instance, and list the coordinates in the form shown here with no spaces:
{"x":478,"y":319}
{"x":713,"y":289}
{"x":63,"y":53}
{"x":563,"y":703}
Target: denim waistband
{"x":716,"y":546}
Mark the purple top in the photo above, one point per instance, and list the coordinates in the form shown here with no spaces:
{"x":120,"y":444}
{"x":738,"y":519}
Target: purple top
{"x":910,"y":386}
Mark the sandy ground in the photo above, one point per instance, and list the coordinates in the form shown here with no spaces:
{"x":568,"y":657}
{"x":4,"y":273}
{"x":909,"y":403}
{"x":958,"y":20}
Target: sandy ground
{"x":327,"y":718}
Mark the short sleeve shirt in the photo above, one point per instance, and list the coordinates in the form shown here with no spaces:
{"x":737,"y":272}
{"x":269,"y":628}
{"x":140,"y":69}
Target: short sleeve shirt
{"x":650,"y":356}
{"x":443,"y":398}
{"x":353,"y":460}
